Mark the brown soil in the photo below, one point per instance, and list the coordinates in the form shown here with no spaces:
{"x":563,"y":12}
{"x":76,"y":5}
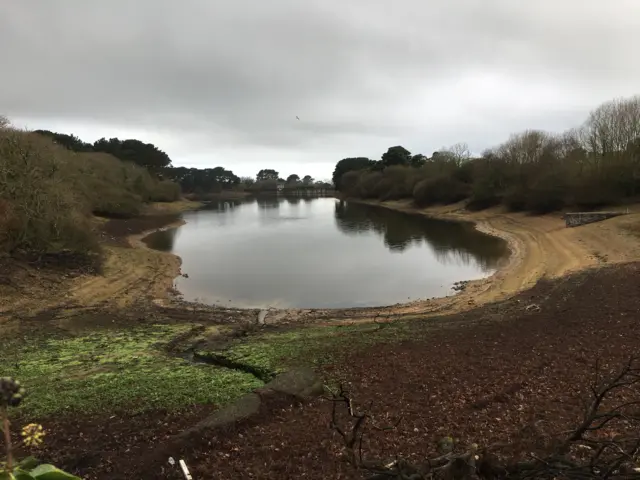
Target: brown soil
{"x":496,"y":371}
{"x":502,"y":373}
{"x":129,"y":275}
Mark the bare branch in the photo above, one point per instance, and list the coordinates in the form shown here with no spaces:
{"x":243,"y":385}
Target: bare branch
{"x":595,"y":449}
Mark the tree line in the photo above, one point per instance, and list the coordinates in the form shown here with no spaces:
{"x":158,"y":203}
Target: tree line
{"x":49,"y":191}
{"x":268,"y":179}
{"x":195,"y":181}
{"x":147,"y":155}
{"x":51,"y":184}
{"x":592,"y":165}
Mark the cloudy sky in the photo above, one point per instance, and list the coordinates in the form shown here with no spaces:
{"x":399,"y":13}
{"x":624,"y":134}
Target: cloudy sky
{"x":220,"y":82}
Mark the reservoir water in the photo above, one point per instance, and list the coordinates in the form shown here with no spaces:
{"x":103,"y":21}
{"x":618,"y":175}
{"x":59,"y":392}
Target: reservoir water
{"x":321,"y":253}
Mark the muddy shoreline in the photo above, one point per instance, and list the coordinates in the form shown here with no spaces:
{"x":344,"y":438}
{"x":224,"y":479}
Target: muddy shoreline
{"x":540,"y":247}
{"x":458,"y":301}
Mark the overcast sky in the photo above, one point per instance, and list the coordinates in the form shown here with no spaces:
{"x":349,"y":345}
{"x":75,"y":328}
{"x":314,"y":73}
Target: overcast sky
{"x":220,"y":82}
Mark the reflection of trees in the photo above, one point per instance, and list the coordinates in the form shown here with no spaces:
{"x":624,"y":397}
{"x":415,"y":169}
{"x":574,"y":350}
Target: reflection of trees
{"x":293,"y":200}
{"x":163,"y":240}
{"x":223,"y":205}
{"x":268,"y":202}
{"x":451,"y":242}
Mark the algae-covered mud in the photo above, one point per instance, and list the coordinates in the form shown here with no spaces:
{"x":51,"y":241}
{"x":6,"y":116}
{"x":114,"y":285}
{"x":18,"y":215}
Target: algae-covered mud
{"x":155,"y":365}
{"x":116,"y":370}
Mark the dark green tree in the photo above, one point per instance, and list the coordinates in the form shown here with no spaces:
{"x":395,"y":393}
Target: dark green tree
{"x":293,"y":178}
{"x":194,"y":180}
{"x":247,"y":181}
{"x":396,"y":156}
{"x":418,"y":160}
{"x":348,"y":164}
{"x":307,"y":180}
{"x":143,"y":154}
{"x":267,"y":174}
{"x":68,"y":141}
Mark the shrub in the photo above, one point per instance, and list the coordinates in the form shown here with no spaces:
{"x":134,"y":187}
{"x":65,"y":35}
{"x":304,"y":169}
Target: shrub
{"x":483,"y":195}
{"x":398,"y":182}
{"x":117,"y":204}
{"x":590,"y":192}
{"x":48,"y":192}
{"x":441,"y":189}
{"x":368,"y":184}
{"x":165,"y":191}
{"x":515,"y":198}
{"x":40,"y":212}
{"x":349,"y":182}
{"x":547,"y":193}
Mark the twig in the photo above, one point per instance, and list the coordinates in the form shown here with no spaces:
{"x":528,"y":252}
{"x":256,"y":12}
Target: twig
{"x":355,"y":435}
{"x":7,"y":438}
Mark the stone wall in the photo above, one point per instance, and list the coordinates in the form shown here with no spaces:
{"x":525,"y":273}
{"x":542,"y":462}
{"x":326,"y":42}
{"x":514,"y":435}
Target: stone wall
{"x":581,"y":218}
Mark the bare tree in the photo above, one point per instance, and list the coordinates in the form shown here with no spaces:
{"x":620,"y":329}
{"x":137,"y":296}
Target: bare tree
{"x":611,"y":127}
{"x":458,"y":153}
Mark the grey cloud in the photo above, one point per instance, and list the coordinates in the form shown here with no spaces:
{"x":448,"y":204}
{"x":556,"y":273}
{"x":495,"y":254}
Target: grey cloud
{"x":237,"y":72}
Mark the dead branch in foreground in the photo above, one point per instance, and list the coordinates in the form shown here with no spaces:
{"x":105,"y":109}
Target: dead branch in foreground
{"x":595,"y":449}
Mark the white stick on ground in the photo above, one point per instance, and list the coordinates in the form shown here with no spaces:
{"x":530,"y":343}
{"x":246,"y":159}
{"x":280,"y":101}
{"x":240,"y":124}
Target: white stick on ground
{"x":185,"y":470}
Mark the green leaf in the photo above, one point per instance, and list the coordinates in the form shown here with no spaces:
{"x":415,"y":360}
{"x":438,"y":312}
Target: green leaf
{"x":6,"y":476}
{"x":49,"y":472}
{"x":28,"y":463}
{"x":21,"y":475}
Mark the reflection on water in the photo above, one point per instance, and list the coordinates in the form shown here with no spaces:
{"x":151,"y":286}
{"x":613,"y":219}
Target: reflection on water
{"x":321,"y":253}
{"x":268,"y":202}
{"x":451,"y":242}
{"x":162,"y":240}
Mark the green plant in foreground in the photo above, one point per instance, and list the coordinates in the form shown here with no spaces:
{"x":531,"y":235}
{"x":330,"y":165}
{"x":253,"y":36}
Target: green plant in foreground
{"x":11,"y":395}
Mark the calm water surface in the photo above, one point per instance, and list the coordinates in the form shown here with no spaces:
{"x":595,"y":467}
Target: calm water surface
{"x":321,"y":253}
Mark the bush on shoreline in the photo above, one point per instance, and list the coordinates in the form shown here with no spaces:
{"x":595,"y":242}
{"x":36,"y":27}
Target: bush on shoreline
{"x":591,"y":166}
{"x":48,"y":193}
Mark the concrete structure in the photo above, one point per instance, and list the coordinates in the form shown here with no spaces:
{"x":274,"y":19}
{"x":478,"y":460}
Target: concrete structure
{"x":582,"y":218}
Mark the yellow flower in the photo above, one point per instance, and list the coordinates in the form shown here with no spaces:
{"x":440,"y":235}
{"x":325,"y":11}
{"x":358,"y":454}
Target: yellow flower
{"x":32,"y":435}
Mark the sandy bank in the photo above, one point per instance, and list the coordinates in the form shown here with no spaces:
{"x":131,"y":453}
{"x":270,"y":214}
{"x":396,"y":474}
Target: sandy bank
{"x":130,"y":274}
{"x":541,"y":247}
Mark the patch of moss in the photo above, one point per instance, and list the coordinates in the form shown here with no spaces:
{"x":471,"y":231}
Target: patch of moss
{"x":110,"y":370}
{"x":113,"y":370}
{"x":314,"y":346}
